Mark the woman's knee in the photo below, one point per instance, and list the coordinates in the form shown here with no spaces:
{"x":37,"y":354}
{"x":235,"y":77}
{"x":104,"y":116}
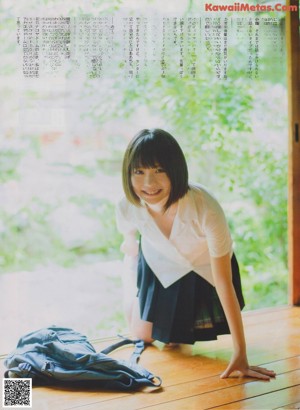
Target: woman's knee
{"x":143,"y":331}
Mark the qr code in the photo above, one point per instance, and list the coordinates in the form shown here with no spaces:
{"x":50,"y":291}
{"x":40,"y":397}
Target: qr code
{"x":17,"y":393}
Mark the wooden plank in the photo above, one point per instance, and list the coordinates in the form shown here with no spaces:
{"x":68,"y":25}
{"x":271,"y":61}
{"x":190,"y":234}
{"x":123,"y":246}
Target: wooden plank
{"x":268,"y":401}
{"x":177,"y":368}
{"x":289,"y":406}
{"x":230,"y":395}
{"x":279,"y":332}
{"x":205,"y":394}
{"x":293,"y":53}
{"x":269,"y":311}
{"x":63,"y":398}
{"x":267,"y":314}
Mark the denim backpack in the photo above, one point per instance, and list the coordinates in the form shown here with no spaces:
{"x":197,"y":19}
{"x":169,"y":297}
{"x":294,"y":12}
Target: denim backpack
{"x":56,"y":355}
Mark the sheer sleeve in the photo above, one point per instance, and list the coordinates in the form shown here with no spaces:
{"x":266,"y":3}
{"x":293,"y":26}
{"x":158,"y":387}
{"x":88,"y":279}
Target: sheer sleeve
{"x":124,"y":218}
{"x":126,"y":226}
{"x":216,"y":228}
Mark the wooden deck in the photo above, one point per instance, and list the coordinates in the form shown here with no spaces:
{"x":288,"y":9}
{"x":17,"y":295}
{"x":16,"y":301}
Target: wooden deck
{"x":191,"y":375}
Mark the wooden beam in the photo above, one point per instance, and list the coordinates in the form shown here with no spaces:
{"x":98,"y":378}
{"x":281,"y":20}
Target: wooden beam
{"x":293,"y":55}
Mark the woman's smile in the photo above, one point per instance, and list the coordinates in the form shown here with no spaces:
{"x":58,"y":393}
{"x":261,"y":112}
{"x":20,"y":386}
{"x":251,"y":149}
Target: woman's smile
{"x":151,"y":184}
{"x":151,"y":193}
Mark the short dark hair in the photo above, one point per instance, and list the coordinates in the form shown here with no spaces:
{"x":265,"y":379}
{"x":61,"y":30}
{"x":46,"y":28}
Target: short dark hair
{"x":149,"y":148}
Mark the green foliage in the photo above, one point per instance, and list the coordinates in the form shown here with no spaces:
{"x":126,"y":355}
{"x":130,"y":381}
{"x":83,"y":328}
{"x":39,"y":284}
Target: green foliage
{"x":266,"y":287}
{"x":29,"y":239}
{"x":259,"y":174}
{"x":256,"y":173}
{"x":9,"y":160}
{"x":107,"y":241}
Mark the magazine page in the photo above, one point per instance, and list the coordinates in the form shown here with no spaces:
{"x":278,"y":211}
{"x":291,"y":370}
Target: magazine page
{"x":78,"y":80}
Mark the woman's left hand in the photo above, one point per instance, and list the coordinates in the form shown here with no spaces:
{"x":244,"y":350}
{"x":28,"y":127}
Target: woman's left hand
{"x":241,"y":365}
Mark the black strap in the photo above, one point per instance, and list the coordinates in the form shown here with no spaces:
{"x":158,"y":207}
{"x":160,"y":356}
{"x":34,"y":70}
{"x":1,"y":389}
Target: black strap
{"x":149,"y":379}
{"x":138,"y":350}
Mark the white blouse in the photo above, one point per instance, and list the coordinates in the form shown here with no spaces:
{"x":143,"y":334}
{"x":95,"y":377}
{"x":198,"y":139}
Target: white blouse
{"x":200,"y":230}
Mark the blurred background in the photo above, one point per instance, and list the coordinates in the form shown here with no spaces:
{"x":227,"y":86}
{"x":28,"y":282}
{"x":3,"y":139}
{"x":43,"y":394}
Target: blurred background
{"x":63,"y":134}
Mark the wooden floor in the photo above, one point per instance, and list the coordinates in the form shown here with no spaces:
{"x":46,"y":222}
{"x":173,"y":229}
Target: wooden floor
{"x":191,"y":375}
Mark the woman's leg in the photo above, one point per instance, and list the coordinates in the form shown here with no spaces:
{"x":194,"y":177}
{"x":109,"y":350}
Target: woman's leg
{"x":139,"y":328}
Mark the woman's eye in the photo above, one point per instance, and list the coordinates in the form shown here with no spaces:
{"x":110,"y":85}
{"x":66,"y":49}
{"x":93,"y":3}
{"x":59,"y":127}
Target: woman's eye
{"x":137,"y":171}
{"x":158,"y":170}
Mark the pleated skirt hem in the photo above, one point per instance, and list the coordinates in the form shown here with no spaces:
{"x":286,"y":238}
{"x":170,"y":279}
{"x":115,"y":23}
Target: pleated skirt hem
{"x":187,"y":311}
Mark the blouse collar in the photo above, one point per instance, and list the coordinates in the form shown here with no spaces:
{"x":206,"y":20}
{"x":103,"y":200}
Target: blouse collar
{"x":186,"y":212}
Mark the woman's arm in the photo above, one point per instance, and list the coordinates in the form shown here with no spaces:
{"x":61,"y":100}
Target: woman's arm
{"x":139,"y":328}
{"x":130,"y":246}
{"x":129,"y":273}
{"x":221,"y":270}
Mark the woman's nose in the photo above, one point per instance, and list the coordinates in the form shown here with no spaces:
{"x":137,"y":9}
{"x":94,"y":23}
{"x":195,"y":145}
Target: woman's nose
{"x":149,"y":179}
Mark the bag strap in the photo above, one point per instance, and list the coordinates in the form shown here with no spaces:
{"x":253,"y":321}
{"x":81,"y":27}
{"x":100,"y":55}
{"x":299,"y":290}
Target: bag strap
{"x":138,"y":350}
{"x":148,"y":379}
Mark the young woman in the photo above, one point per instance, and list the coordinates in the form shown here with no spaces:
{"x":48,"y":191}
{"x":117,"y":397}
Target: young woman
{"x":187,"y":275}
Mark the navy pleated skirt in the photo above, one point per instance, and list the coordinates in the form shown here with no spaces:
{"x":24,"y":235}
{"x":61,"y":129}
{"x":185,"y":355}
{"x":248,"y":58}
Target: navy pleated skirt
{"x":187,"y":311}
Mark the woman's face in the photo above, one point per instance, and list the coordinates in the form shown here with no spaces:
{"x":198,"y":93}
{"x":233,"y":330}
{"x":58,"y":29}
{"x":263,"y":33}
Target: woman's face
{"x":151,"y":184}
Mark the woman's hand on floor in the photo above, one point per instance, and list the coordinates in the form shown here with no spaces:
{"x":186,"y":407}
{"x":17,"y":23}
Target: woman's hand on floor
{"x":241,"y":365}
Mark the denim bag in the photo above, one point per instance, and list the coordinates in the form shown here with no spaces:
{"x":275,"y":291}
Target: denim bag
{"x":57,"y":355}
